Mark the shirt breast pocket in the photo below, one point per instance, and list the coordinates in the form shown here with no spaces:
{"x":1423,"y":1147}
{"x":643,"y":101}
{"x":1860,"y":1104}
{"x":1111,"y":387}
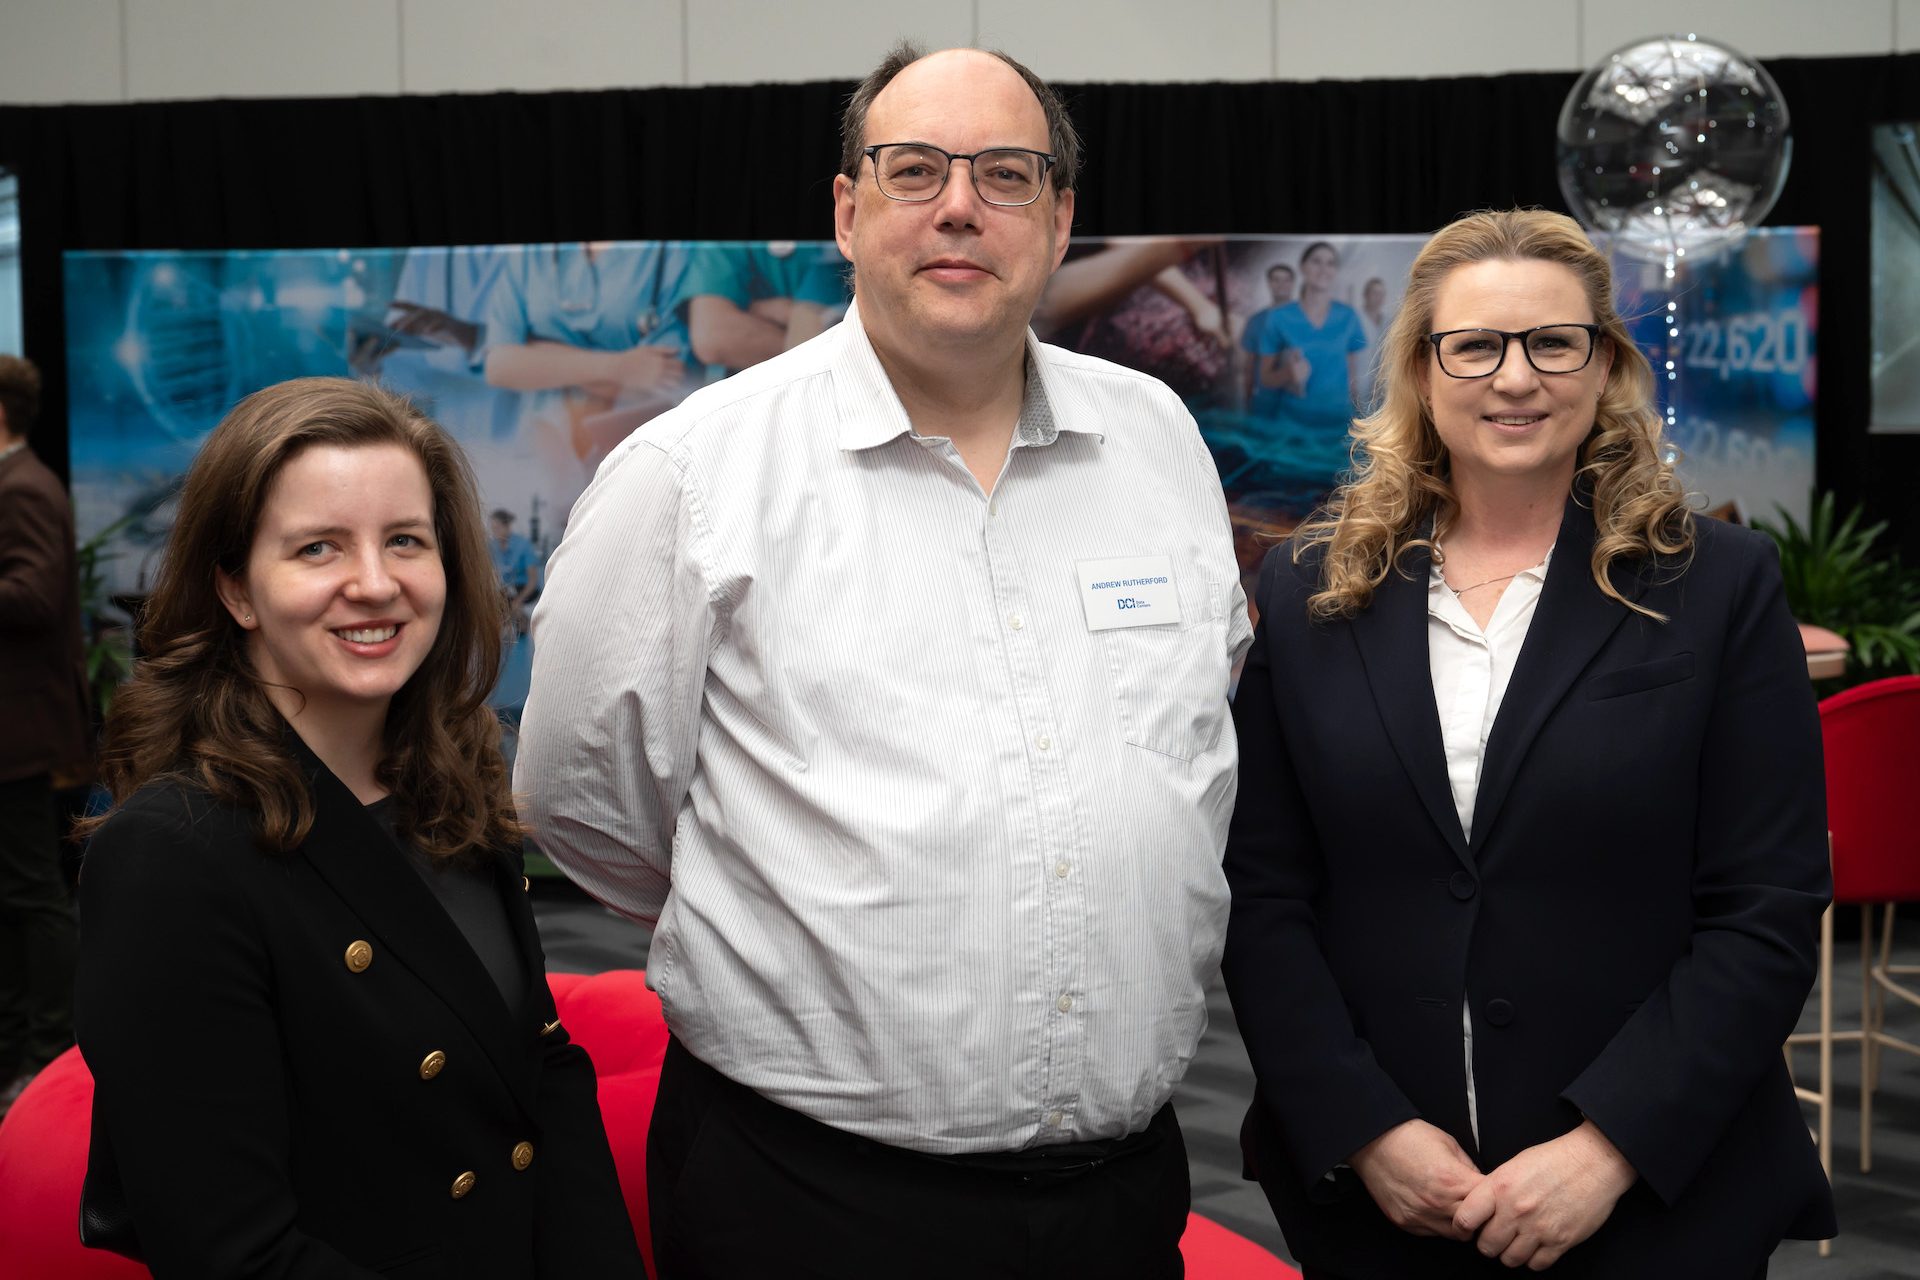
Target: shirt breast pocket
{"x":1170,"y":681}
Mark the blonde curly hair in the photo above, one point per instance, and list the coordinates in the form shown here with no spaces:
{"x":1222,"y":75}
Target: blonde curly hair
{"x":1399,"y":477}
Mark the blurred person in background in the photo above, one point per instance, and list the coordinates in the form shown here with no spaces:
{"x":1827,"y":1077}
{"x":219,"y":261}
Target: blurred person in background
{"x":43,"y":703}
{"x":1262,"y":401}
{"x":1311,"y":353}
{"x":517,"y":562}
{"x":749,"y":302}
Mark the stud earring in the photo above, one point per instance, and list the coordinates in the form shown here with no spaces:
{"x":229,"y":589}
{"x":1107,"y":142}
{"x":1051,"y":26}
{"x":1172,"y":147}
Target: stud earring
{"x":247,"y":618}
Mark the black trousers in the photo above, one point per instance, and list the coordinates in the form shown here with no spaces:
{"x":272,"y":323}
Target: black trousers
{"x":1314,"y":1273}
{"x":36,"y":931}
{"x":738,"y":1187}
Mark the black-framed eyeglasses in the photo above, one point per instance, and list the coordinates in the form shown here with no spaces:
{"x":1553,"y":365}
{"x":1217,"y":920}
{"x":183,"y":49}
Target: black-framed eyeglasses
{"x":1550,"y":348}
{"x":917,"y":171}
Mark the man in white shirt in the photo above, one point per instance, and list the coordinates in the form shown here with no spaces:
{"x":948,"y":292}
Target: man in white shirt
{"x":889,"y":677}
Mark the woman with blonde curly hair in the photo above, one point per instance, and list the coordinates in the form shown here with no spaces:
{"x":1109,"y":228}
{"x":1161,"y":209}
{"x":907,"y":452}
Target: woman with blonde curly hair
{"x":1529,"y":854}
{"x":311,"y":992}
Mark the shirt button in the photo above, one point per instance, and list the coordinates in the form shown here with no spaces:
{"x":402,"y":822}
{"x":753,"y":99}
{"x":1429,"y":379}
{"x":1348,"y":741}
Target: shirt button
{"x":1061,"y":869}
{"x":1015,"y":621}
{"x":1064,"y":1004}
{"x":1055,"y":1119}
{"x":1044,"y":742}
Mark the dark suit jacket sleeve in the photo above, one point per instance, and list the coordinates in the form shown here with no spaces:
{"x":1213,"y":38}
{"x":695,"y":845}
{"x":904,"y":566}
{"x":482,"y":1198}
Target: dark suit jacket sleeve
{"x":1319,"y":1080}
{"x":1670,"y":1081}
{"x":176,"y":1022}
{"x":32,"y":557}
{"x":581,"y":1224}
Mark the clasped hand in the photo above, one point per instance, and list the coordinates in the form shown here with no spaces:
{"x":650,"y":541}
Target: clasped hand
{"x":1528,"y":1212}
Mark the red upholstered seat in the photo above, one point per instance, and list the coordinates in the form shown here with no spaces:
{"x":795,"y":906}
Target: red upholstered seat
{"x":618,"y":1022}
{"x":1873,"y":808}
{"x":43,"y":1157}
{"x":43,"y":1144}
{"x":1214,"y":1253}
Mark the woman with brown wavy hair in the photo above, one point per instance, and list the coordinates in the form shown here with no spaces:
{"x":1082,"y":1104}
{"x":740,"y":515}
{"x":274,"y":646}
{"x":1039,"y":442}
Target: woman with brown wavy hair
{"x":1529,"y":853}
{"x":311,"y":992}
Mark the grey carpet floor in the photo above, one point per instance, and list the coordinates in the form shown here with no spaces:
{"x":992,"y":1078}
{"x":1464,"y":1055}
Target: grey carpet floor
{"x":1879,"y":1212}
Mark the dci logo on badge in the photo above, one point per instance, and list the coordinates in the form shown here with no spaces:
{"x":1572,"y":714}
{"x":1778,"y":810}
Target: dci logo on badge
{"x":1128,"y":591}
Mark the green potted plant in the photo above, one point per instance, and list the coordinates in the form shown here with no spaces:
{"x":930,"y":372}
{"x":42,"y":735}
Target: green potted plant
{"x":109,"y":651}
{"x":1835,"y":579}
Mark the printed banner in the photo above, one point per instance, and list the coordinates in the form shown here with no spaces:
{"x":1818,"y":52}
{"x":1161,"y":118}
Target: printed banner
{"x":1734,"y":345}
{"x":1895,"y":201}
{"x":541,"y":358}
{"x":12,"y":340}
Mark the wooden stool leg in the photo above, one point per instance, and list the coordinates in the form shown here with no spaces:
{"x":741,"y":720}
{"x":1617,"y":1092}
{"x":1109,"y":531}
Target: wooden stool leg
{"x":1867,"y":1044}
{"x":1826,"y":1053}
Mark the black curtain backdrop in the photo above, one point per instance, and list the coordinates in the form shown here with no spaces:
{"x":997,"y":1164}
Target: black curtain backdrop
{"x":756,"y":162}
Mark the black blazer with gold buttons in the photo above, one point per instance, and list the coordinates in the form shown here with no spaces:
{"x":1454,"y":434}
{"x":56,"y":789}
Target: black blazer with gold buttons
{"x":303,"y":1070}
{"x":1634,"y":920}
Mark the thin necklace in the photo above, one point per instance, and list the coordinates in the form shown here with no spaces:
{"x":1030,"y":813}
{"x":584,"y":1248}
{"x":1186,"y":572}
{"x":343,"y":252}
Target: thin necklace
{"x":1484,"y":582}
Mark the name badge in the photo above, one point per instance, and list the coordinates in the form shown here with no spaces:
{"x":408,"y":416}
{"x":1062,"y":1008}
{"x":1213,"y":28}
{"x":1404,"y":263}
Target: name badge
{"x":1131,"y":591}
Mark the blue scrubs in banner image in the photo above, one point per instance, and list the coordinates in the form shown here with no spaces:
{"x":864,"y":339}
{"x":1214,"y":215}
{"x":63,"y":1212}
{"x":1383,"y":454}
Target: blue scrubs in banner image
{"x":743,"y":274}
{"x":457,"y":281}
{"x":1327,"y":405}
{"x":1265,"y":400}
{"x":445,"y":375}
{"x":625,"y":296}
{"x":512,"y":561}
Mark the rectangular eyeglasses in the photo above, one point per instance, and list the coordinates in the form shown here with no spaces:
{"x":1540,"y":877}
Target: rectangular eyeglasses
{"x":917,"y":171}
{"x":1550,"y":348}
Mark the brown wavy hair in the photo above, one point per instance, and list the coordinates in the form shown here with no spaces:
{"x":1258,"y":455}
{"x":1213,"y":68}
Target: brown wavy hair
{"x":1399,"y":478}
{"x":195,"y":711}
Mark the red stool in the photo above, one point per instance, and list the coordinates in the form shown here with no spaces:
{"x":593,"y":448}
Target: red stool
{"x":618,"y":1022}
{"x":43,"y":1157}
{"x":1870,"y":735}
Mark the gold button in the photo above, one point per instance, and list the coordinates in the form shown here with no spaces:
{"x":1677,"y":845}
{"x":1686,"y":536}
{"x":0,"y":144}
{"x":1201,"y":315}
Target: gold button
{"x":431,"y":1064}
{"x":522,"y":1154}
{"x":463,"y":1184}
{"x":548,"y":1028}
{"x":359,"y":955}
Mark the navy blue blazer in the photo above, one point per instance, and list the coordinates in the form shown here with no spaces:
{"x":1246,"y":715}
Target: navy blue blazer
{"x":303,"y":1071}
{"x":1635,"y":919}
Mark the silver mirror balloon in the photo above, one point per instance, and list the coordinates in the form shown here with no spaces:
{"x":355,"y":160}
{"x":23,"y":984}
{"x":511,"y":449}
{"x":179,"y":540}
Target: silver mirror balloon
{"x":1673,"y":147}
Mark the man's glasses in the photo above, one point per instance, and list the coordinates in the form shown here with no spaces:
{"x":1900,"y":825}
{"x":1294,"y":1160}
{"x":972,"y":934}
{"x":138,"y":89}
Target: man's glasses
{"x":1550,"y":348}
{"x":915,"y":171}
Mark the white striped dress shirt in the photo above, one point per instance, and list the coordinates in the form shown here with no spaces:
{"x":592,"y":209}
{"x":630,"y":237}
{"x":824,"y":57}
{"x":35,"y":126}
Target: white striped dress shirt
{"x":931,"y":862}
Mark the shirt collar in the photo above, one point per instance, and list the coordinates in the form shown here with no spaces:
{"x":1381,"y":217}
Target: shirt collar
{"x":870,"y":412}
